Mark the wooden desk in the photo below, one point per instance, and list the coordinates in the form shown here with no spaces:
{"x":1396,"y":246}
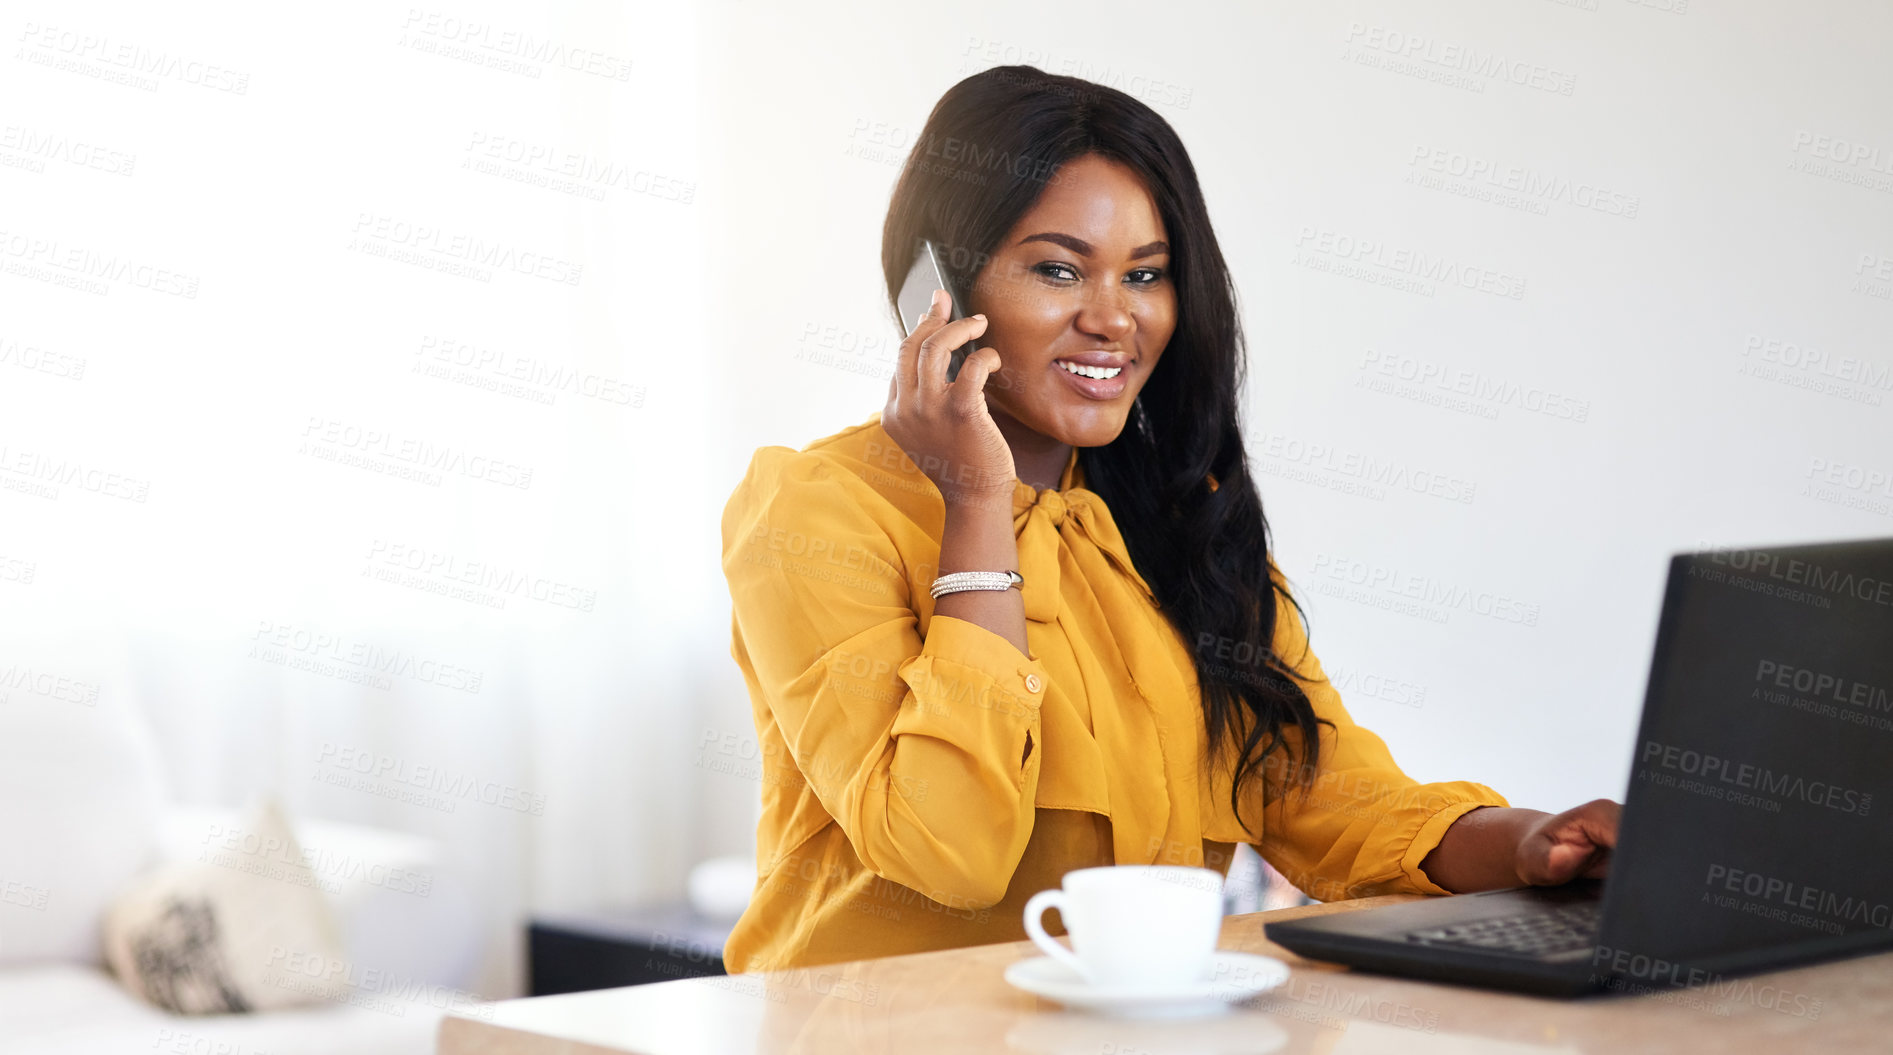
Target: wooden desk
{"x":957,"y":1001}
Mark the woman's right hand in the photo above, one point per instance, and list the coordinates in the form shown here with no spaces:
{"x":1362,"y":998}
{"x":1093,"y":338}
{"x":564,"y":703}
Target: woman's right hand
{"x":945,"y":426}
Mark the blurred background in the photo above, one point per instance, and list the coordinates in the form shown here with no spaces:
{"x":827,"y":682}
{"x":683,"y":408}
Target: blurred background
{"x":372,"y":380}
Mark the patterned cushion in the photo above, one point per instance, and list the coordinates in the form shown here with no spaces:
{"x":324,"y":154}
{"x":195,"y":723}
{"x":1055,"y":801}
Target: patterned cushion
{"x":245,"y":927}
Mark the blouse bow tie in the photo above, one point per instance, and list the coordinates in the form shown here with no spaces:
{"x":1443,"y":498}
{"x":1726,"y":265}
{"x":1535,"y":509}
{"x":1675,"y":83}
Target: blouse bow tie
{"x":1040,"y":520}
{"x":1138,"y":699}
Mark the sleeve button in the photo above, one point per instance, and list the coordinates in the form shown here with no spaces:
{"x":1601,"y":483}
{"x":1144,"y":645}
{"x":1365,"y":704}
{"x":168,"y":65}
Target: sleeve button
{"x":1032,"y":683}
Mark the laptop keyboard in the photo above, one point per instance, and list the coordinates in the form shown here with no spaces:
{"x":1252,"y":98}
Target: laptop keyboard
{"x":1548,"y":931}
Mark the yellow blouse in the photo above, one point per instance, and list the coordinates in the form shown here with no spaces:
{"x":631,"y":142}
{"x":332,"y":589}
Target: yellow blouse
{"x":921,"y":778}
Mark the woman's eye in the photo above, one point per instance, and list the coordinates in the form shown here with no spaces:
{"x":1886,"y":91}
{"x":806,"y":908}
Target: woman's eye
{"x":1143,"y":276}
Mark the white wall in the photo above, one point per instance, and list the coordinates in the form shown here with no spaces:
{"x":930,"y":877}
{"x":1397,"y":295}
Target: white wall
{"x":1710,"y":119}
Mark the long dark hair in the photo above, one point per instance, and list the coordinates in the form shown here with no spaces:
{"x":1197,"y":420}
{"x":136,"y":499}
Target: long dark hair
{"x":991,"y":145}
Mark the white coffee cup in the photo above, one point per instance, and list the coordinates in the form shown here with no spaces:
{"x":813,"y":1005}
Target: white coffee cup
{"x":1133,"y":925}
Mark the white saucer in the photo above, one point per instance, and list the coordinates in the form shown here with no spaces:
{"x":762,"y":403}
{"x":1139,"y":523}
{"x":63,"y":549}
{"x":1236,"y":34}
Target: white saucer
{"x":1229,"y":976}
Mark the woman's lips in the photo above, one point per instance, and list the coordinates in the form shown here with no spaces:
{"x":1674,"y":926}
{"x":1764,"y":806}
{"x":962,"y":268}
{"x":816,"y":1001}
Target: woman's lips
{"x":1096,"y":388}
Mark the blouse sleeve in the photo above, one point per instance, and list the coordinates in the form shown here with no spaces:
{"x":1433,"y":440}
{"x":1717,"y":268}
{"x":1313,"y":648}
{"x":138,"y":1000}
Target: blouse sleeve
{"x":921,"y":749}
{"x":1362,"y":826}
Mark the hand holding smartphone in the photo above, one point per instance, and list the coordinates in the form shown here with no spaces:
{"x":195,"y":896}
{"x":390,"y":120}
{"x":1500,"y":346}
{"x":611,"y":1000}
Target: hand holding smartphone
{"x":936,"y":410}
{"x":916,"y":295}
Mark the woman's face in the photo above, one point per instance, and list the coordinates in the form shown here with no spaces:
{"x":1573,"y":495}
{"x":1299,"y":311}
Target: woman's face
{"x":1082,"y":280}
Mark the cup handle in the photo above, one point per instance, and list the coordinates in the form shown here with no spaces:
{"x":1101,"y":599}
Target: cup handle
{"x":1035,"y":929}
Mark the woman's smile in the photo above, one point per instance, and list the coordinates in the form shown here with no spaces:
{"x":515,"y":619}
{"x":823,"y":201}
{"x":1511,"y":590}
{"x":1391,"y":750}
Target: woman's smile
{"x":1096,"y":375}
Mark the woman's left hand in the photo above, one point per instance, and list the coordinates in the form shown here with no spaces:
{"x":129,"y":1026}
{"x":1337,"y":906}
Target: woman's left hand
{"x":1575,"y":844}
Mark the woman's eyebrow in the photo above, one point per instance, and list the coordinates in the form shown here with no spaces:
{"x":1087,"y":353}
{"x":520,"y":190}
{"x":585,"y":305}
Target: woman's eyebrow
{"x":1084,"y":248}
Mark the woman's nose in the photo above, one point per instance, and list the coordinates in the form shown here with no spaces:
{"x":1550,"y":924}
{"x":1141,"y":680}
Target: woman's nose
{"x":1105,"y":315}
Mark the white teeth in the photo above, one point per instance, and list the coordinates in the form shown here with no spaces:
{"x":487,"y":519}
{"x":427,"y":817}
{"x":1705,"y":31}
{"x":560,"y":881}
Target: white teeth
{"x":1099,"y":372}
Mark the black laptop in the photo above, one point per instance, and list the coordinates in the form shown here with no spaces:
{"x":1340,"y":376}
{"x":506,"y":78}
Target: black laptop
{"x":1758,"y":827}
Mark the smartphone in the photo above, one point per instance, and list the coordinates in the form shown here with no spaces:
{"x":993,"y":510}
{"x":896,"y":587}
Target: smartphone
{"x":916,"y":294}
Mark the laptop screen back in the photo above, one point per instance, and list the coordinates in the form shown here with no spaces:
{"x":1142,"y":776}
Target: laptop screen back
{"x":1759,"y":818}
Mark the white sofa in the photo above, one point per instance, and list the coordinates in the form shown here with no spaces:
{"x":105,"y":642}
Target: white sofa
{"x":81,"y":814}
